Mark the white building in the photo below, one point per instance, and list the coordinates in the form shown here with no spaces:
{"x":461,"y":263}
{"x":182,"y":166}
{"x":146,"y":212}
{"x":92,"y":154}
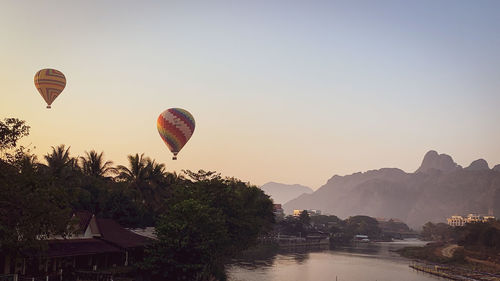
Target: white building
{"x":311,"y":212}
{"x":470,"y":218}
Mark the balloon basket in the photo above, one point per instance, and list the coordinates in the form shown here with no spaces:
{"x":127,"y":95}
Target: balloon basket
{"x":49,"y":107}
{"x":174,"y":158}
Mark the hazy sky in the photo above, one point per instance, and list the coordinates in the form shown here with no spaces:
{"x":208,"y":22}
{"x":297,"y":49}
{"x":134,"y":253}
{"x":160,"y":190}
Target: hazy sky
{"x":286,"y":91}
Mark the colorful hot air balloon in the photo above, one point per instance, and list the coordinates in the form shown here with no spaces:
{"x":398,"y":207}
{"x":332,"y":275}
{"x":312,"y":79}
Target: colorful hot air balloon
{"x":50,"y":83}
{"x":175,"y":126}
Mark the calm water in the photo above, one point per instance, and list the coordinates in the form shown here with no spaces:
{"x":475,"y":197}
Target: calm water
{"x":365,"y":262}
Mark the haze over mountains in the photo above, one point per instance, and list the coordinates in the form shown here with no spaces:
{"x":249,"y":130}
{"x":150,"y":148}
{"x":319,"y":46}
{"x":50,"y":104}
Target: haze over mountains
{"x":438,"y":189}
{"x":282,"y":193}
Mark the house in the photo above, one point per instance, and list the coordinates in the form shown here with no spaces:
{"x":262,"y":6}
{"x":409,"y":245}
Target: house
{"x":310,"y":212}
{"x":278,"y":212}
{"x":470,"y":218}
{"x":94,"y":244}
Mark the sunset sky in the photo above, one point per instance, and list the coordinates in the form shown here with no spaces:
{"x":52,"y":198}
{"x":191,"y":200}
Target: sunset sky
{"x":285,"y":91}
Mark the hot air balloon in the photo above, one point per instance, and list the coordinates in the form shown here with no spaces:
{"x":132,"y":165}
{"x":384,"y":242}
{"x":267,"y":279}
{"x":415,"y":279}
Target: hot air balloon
{"x":176,"y":126}
{"x":50,"y":83}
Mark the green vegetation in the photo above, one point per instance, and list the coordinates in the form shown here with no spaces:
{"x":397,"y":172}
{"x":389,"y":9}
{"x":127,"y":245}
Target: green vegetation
{"x":340,"y":231}
{"x":477,"y":244}
{"x":438,"y":232}
{"x":201,"y":218}
{"x":209,"y":219}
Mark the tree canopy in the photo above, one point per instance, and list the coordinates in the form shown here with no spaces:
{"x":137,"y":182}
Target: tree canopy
{"x":201,"y":218}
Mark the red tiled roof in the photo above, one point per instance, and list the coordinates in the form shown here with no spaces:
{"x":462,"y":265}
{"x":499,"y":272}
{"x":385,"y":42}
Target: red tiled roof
{"x":77,"y":247}
{"x":114,"y":233}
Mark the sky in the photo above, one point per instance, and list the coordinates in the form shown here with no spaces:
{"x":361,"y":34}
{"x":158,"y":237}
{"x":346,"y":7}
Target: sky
{"x":284,"y":91}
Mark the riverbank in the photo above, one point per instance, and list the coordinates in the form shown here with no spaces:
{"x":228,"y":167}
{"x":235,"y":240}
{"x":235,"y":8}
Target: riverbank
{"x":451,"y":261}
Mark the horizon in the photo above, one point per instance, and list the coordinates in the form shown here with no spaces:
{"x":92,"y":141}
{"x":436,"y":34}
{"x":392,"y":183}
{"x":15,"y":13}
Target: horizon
{"x":285,"y":92}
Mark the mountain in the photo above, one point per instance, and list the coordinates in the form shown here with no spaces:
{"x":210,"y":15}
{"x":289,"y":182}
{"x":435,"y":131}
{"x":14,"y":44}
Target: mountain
{"x":282,"y":193}
{"x":479,"y":164}
{"x":496,"y":168}
{"x":434,"y":161}
{"x":438,"y":189}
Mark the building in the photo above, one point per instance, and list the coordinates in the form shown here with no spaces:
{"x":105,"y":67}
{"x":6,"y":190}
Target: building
{"x":470,"y":218}
{"x":279,"y":214}
{"x":311,"y":212}
{"x":95,"y":244}
{"x":456,"y":221}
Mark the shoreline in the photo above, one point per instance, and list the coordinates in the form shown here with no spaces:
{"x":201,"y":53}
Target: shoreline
{"x":436,"y":259}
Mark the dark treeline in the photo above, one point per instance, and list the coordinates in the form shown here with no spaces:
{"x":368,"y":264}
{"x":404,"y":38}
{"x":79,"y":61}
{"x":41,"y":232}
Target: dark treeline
{"x":479,"y":236}
{"x":478,"y":244}
{"x":340,"y":231}
{"x":201,"y":218}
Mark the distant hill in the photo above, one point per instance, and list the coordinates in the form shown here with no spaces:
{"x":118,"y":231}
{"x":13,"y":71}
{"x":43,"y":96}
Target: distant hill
{"x":282,"y":193}
{"x":438,"y":189}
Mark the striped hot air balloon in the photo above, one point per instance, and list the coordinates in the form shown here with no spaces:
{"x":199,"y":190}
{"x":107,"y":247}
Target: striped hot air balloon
{"x":50,"y":83}
{"x":176,"y":126}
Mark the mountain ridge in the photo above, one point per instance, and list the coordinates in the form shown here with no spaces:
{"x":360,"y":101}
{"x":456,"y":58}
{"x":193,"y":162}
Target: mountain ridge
{"x":282,"y":193}
{"x":437,"y":189}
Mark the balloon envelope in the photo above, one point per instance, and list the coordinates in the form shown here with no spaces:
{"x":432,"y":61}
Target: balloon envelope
{"x":176,"y":126}
{"x":50,"y":83}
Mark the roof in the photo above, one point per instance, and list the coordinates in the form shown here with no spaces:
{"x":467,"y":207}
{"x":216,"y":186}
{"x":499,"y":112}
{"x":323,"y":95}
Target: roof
{"x":76,"y":247}
{"x":148,"y":232}
{"x":84,"y":218}
{"x":114,"y":233}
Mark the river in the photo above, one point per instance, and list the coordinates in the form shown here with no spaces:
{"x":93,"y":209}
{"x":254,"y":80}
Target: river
{"x":363,"y":262}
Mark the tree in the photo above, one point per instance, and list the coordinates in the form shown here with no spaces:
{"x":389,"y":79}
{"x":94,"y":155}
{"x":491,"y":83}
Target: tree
{"x":480,"y":236}
{"x":437,"y":232}
{"x":191,"y":235}
{"x":93,"y":165}
{"x":119,"y":206}
{"x":59,"y":163}
{"x":362,"y":225}
{"x":136,"y":174}
{"x":206,"y":220}
{"x":32,"y":208}
{"x":11,"y":131}
{"x":147,"y":178}
{"x":304,"y":218}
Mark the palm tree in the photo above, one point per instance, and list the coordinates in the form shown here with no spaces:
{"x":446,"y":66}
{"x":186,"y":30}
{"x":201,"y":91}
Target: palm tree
{"x":137,"y":173}
{"x":173,"y":177}
{"x":59,"y":163}
{"x":28,"y":164}
{"x":146,"y":177}
{"x":93,"y":165}
{"x":155,"y":171}
{"x":156,"y":179}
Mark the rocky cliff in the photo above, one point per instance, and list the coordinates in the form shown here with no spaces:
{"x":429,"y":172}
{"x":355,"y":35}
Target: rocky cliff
{"x":438,"y":189}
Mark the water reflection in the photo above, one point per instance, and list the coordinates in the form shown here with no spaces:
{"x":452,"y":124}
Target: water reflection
{"x":370,"y":261}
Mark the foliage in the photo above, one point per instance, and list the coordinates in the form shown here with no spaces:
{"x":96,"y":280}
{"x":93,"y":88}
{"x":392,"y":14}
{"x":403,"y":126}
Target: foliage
{"x":340,"y":231}
{"x":362,"y":225}
{"x":304,"y":218}
{"x":202,"y":219}
{"x":11,"y":130}
{"x":191,"y":235}
{"x":437,"y":232}
{"x":325,"y":220}
{"x":93,"y":165}
{"x":32,"y":206}
{"x":208,"y":219}
{"x":482,"y":236}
